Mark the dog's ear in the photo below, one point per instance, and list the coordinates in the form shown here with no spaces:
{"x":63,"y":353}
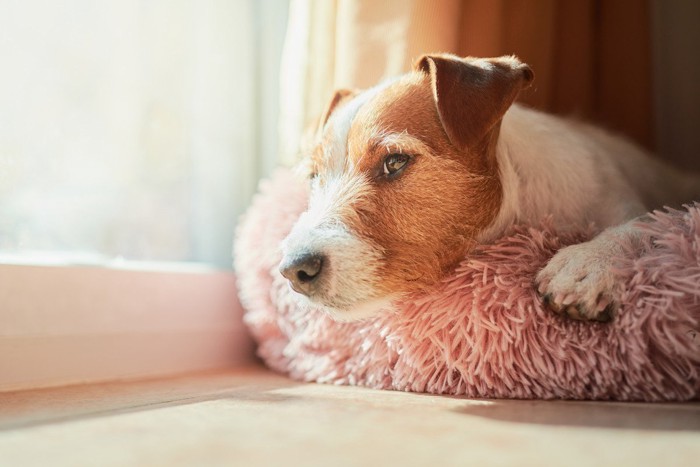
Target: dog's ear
{"x":339,"y":96}
{"x":471,"y":94}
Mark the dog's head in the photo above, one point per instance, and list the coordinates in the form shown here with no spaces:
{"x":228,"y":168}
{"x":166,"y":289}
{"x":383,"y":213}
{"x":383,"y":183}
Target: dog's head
{"x":403,"y":178}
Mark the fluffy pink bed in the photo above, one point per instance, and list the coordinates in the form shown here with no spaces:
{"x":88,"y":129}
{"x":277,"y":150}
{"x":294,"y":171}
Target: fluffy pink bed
{"x":483,"y":332}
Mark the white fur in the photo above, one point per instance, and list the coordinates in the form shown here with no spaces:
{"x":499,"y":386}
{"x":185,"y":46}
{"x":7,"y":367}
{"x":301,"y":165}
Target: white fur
{"x":576,"y":173}
{"x":353,"y":264}
{"x":547,"y":167}
{"x":579,"y":174}
{"x":401,"y":143}
{"x":351,"y":267}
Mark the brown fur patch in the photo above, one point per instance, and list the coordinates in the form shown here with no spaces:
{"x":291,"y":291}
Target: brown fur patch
{"x":424,"y":220}
{"x":446,"y":116}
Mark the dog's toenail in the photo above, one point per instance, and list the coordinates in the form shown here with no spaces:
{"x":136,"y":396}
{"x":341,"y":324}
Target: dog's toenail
{"x":606,"y":315}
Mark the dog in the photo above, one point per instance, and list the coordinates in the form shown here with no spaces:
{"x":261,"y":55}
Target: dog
{"x":408,"y":176}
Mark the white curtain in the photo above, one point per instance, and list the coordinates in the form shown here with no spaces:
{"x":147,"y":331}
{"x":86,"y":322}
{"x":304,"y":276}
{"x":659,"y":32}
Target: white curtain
{"x":352,"y":44}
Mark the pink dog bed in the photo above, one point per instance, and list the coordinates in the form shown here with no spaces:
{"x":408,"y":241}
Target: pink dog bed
{"x":483,"y":332}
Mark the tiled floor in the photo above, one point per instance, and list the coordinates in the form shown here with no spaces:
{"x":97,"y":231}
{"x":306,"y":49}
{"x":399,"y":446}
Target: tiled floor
{"x":251,"y":417}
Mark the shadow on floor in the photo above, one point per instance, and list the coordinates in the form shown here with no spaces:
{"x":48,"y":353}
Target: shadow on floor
{"x":615,"y":415}
{"x":23,"y":409}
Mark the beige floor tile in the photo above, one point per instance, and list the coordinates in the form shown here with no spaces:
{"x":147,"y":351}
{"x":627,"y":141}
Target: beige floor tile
{"x":252,"y":417}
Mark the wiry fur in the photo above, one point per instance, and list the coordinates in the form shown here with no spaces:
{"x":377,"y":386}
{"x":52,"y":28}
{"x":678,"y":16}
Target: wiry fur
{"x":355,"y":262}
{"x":478,"y":165}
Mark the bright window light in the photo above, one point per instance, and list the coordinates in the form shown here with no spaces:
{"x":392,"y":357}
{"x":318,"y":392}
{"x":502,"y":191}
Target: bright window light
{"x":128,"y":129}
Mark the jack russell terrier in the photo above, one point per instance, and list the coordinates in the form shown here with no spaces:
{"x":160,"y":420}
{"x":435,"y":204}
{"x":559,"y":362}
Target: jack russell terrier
{"x":408,"y":176}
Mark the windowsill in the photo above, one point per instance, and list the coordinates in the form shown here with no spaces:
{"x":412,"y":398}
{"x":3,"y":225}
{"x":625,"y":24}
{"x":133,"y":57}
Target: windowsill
{"x":94,"y":260}
{"x":66,"y":323}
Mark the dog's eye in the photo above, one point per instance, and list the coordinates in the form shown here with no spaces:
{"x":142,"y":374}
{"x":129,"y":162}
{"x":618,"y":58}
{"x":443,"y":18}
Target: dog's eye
{"x":394,"y":163}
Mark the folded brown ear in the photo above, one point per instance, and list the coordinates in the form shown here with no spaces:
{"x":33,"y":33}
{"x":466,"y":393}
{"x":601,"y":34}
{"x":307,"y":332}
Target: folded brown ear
{"x":339,"y":96}
{"x":473,"y":94}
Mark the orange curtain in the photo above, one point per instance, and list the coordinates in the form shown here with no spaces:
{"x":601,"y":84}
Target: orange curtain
{"x":591,"y":58}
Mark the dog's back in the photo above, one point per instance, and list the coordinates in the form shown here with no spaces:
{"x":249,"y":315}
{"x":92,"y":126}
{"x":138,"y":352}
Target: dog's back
{"x":579,"y":174}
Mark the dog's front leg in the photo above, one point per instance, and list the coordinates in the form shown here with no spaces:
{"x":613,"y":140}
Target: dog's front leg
{"x":580,"y":280}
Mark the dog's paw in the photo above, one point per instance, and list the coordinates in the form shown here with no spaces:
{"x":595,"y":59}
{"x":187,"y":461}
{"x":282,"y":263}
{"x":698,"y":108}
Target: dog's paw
{"x":579,"y":281}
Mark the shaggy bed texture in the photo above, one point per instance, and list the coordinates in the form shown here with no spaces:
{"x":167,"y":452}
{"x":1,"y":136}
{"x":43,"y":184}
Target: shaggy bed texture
{"x":483,"y":332}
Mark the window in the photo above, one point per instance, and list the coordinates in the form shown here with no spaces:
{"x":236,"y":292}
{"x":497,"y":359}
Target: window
{"x":131,"y":129}
{"x":132,"y":135}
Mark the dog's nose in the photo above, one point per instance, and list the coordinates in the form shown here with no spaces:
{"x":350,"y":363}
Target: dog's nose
{"x":303,"y":271}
